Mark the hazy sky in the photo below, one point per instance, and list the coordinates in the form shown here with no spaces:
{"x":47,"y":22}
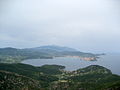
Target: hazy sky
{"x":88,"y":25}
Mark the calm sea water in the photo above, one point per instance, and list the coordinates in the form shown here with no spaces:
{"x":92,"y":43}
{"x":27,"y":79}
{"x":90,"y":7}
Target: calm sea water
{"x":110,"y":61}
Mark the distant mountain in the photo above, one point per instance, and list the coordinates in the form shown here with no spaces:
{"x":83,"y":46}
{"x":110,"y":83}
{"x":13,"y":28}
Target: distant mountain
{"x":55,"y":48}
{"x":57,"y":51}
{"x":52,"y":49}
{"x":8,"y":48}
{"x":11,"y":55}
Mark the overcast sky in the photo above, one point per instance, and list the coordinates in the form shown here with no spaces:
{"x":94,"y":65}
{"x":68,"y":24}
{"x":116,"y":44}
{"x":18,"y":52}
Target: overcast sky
{"x":87,"y":25}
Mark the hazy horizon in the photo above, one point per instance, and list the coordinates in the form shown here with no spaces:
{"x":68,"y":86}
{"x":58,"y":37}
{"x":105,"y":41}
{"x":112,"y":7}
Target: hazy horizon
{"x":89,"y":25}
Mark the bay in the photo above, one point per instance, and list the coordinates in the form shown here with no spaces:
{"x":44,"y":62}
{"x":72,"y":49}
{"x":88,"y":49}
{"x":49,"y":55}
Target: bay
{"x":110,"y":61}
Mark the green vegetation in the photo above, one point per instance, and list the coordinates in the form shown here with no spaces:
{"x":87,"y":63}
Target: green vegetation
{"x":29,"y":71}
{"x":51,"y":69}
{"x":54,"y":77}
{"x":12,"y":81}
{"x":11,"y":59}
{"x":93,"y":77}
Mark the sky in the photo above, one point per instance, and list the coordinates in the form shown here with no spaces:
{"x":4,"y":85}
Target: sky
{"x":87,"y":25}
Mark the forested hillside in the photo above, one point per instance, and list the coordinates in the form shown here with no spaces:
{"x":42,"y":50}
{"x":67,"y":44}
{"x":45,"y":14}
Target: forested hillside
{"x":54,"y":77}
